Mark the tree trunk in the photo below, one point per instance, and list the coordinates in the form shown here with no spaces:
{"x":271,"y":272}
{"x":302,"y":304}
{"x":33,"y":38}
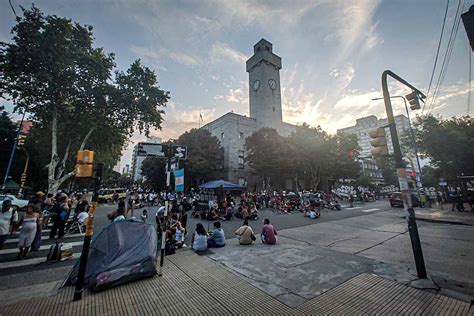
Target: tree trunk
{"x":56,"y":177}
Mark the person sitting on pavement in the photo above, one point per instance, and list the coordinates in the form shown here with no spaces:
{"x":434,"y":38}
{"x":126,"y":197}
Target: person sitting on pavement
{"x":253,"y":213}
{"x":227,"y":215}
{"x":212,"y":215}
{"x":269,"y":233}
{"x":120,"y":215}
{"x":179,"y":235}
{"x":245,"y":234}
{"x":312,"y":213}
{"x":337,"y":206}
{"x":199,"y":239}
{"x":217,"y":237}
{"x":144,"y":216}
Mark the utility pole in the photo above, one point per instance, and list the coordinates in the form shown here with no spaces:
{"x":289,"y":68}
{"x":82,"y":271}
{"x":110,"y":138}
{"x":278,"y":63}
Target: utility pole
{"x":167,"y":205}
{"x":401,"y":172}
{"x":88,"y":235}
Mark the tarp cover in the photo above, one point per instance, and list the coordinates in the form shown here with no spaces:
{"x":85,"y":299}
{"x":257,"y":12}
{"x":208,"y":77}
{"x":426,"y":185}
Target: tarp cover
{"x":216,"y":184}
{"x":122,"y":252}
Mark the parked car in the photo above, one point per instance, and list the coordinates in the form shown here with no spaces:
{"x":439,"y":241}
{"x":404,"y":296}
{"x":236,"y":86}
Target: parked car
{"x":17,"y":203}
{"x":396,"y":199}
{"x":107,"y":195}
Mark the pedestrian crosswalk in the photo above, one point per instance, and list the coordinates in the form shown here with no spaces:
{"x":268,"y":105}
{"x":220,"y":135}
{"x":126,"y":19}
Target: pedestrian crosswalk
{"x":370,"y":210}
{"x":8,"y":255}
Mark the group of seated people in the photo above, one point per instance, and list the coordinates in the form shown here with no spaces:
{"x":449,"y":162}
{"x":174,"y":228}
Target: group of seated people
{"x":226,"y":212}
{"x":202,"y":240}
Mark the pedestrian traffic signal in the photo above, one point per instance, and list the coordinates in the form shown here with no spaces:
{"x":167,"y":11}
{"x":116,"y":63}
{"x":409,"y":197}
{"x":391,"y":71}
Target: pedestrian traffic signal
{"x":414,"y":100}
{"x":379,"y":142}
{"x":21,"y":140}
{"x":84,"y":161}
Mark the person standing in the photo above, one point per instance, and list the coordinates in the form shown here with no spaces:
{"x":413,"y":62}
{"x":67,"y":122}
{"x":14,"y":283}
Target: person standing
{"x":8,"y":218}
{"x":29,"y":225}
{"x":269,"y":233}
{"x":61,"y":214}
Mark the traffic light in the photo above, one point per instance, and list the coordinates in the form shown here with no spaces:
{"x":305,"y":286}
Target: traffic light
{"x":413,"y":174}
{"x":84,"y":161}
{"x":21,"y":140}
{"x":414,"y":100}
{"x":379,"y":142}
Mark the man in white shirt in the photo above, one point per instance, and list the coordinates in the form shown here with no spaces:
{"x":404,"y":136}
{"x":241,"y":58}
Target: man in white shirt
{"x":8,"y":217}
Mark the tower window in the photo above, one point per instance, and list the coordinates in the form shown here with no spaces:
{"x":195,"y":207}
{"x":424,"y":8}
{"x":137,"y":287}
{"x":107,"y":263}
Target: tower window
{"x":222,"y":135}
{"x":273,"y":109}
{"x":241,"y":135}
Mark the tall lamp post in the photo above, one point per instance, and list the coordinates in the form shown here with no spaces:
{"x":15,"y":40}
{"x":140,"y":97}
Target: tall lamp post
{"x":412,"y":135}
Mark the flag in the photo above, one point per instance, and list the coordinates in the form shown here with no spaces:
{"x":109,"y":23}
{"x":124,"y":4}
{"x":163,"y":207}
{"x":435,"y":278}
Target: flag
{"x":200,"y":116}
{"x":179,"y":180}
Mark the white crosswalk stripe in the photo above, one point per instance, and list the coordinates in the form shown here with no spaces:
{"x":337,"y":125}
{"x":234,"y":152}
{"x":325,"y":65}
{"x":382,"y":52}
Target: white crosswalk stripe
{"x":14,"y":250}
{"x":354,"y":208}
{"x":27,"y":262}
{"x":44,"y":231}
{"x":15,"y":240}
{"x":371,"y":210}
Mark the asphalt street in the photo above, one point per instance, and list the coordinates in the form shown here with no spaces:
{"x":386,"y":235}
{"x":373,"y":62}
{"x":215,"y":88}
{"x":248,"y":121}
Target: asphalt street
{"x":365,"y":230}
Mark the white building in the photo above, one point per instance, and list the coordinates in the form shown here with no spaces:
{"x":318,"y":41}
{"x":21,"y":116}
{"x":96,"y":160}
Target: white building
{"x":137,"y":161}
{"x":366,"y":124}
{"x":265,"y":111}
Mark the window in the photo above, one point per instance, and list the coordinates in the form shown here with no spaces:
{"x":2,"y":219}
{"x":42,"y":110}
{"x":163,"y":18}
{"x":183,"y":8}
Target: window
{"x":241,"y":135}
{"x":222,"y":135}
{"x":273,"y":109}
{"x":241,"y":159}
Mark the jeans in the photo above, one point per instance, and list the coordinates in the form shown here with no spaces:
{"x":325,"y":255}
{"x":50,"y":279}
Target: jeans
{"x":57,"y":225}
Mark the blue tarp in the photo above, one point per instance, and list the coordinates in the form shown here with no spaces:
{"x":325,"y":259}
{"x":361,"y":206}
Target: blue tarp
{"x":216,"y":184}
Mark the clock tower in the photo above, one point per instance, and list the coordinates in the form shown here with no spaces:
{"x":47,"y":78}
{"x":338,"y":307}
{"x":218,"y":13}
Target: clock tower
{"x":264,"y":86}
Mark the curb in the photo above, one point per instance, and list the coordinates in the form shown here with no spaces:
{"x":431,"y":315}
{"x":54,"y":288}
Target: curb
{"x":424,"y":219}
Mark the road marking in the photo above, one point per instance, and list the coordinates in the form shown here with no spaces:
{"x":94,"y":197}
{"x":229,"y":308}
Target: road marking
{"x":43,"y":231}
{"x":13,"y":240}
{"x":27,"y":262}
{"x":14,"y":250}
{"x":371,"y":210}
{"x":354,"y":208}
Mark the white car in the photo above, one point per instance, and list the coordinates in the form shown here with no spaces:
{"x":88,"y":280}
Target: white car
{"x":16,"y":202}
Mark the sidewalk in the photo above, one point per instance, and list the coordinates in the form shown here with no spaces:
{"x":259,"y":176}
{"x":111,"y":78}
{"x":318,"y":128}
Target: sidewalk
{"x":446,"y":215}
{"x":194,"y":284}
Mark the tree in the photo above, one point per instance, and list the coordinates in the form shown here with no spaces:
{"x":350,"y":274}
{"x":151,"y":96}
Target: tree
{"x":205,"y":156}
{"x":389,"y":173}
{"x":345,"y":150}
{"x":153,"y":170}
{"x":7,"y":139}
{"x":449,"y":143}
{"x":268,"y":154}
{"x":52,"y":71}
{"x":314,"y":153}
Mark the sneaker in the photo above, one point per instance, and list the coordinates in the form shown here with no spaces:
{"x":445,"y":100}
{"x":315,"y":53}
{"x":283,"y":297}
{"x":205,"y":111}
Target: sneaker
{"x":184,"y":246}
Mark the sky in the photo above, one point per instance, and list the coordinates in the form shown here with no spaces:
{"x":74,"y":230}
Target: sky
{"x":333,"y":53}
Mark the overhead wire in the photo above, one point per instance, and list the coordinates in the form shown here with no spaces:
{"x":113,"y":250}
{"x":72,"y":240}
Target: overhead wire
{"x":13,"y":9}
{"x":437,"y":53}
{"x":447,"y":55}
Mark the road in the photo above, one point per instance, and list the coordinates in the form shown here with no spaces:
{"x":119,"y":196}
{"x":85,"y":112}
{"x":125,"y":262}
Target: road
{"x":375,"y":217}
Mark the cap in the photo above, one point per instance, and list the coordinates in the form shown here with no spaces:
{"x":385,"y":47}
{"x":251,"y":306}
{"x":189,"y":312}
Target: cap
{"x":39,"y":193}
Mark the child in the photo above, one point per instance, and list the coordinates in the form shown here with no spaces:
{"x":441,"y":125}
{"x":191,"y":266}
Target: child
{"x":144,"y":216}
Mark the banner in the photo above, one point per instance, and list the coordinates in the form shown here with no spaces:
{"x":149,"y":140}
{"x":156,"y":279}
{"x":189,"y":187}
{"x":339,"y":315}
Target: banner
{"x":179,"y":180}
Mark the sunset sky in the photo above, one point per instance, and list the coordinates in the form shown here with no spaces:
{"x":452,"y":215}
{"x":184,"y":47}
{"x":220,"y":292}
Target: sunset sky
{"x":333,"y":53}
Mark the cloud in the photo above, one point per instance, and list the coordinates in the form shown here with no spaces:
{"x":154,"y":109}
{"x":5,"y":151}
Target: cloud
{"x":156,"y":56}
{"x":221,"y":52}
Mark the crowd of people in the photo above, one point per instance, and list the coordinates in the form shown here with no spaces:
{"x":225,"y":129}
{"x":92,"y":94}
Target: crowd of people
{"x":43,"y":211}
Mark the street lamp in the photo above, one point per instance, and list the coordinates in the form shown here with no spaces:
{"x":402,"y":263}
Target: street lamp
{"x":412,"y":134}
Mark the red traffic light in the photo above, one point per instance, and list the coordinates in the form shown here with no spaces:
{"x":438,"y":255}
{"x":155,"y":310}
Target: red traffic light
{"x":412,"y":174}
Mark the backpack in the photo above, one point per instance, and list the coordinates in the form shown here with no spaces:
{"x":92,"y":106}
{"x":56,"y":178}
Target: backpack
{"x":54,"y":253}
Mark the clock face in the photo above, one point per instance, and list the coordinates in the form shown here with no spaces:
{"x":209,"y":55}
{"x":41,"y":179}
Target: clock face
{"x":272,"y":83}
{"x":256,"y":85}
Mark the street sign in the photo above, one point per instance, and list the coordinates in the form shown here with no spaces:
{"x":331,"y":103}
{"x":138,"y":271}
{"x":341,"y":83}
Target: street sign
{"x":180,"y":152}
{"x":151,"y":150}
